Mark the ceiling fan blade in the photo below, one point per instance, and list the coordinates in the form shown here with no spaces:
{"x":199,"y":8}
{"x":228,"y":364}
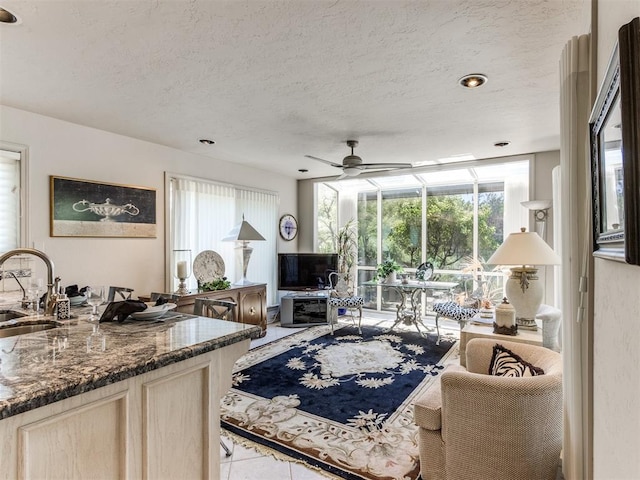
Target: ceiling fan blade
{"x":324,"y":161}
{"x":371,"y":166}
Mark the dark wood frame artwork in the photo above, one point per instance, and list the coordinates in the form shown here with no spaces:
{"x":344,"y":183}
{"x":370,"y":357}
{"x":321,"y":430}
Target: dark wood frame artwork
{"x":88,"y":208}
{"x":621,"y":83}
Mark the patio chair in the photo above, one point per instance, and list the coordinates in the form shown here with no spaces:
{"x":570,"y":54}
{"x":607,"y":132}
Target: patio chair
{"x":342,"y":297}
{"x":452,"y":311}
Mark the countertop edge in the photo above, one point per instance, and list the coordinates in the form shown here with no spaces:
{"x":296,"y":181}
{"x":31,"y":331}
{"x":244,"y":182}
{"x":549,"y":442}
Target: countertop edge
{"x":9,"y":409}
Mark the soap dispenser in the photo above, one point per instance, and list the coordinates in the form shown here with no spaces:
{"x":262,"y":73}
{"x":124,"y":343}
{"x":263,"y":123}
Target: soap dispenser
{"x":63,"y":306}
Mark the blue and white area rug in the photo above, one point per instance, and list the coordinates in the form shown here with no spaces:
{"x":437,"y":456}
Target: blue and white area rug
{"x":342,"y":403}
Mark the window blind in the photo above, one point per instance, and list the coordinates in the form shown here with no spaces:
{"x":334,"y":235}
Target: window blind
{"x":9,"y":200}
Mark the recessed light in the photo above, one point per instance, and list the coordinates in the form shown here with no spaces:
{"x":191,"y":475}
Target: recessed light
{"x":7,"y":17}
{"x":501,"y":144}
{"x":206,"y":141}
{"x":473,"y":80}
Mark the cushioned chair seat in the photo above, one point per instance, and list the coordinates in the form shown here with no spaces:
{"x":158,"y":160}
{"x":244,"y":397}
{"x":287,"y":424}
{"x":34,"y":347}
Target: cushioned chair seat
{"x":350,"y":303}
{"x":342,"y":297}
{"x":453,"y":311}
{"x":347,"y":302}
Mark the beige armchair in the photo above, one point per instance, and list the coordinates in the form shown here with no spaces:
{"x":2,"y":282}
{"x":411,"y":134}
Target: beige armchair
{"x":478,"y":426}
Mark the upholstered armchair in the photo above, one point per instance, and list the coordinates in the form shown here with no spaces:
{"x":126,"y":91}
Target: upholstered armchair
{"x":478,"y":426}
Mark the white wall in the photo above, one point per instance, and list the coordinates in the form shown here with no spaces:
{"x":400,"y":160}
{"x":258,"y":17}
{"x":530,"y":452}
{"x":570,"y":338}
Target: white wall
{"x":69,"y":150}
{"x":616,"y":352}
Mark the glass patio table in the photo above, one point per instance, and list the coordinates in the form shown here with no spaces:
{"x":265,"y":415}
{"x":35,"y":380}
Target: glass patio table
{"x":410,"y":314}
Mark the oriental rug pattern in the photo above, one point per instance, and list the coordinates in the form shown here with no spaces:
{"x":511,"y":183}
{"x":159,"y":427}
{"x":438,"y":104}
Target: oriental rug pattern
{"x":341,"y":403}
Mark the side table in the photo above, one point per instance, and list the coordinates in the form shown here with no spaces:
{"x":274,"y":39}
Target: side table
{"x":472,"y":330}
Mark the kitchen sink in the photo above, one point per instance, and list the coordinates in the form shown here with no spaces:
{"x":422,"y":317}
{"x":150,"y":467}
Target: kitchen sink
{"x":10,"y":315}
{"x":22,"y":328}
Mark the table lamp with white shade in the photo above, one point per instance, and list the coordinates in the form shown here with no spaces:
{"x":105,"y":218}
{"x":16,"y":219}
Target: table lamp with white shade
{"x":523,"y":288}
{"x":243,"y":233}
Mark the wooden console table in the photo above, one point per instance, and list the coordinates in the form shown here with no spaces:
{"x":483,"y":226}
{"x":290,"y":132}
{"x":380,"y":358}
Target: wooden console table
{"x":251,"y":301}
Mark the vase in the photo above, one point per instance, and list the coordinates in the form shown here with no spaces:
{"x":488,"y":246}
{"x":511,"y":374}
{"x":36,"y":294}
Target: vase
{"x":391,"y":278}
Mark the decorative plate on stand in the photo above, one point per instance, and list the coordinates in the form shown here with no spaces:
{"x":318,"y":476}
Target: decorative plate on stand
{"x":424,"y":271}
{"x":207,"y":266}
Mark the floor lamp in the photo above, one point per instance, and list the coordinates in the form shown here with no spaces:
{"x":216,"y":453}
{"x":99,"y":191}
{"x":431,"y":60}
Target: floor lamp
{"x":243,"y":233}
{"x":540,"y":213}
{"x":523,"y":288}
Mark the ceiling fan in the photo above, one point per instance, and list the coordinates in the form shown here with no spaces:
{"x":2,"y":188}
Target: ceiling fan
{"x":352,"y":164}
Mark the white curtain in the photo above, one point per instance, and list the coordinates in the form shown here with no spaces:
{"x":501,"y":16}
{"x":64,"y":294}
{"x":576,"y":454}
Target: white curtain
{"x":260,"y":209}
{"x":575,"y":250}
{"x":516,"y":190}
{"x":203,"y":212}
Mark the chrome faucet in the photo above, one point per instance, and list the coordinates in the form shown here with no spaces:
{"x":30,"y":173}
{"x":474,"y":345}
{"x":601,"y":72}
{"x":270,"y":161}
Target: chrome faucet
{"x":50,"y":300}
{"x":25,"y":300}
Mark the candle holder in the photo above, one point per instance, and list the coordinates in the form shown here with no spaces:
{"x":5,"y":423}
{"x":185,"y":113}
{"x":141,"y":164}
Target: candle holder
{"x":182,"y":266}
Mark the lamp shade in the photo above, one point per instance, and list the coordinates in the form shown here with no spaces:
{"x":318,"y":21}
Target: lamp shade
{"x":524,"y":248}
{"x":242,"y":232}
{"x":537,"y":204}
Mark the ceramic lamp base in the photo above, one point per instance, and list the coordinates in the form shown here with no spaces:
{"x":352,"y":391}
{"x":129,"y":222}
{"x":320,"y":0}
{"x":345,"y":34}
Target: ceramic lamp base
{"x":524,"y":291}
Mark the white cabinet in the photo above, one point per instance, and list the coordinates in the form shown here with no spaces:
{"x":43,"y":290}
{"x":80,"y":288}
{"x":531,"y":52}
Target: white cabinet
{"x":164,"y":424}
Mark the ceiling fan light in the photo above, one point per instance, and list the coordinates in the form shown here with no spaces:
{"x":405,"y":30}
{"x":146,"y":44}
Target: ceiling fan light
{"x":351,"y":171}
{"x":352,"y":160}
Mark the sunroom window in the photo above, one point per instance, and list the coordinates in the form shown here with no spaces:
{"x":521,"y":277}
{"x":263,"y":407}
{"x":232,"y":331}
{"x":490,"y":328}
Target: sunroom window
{"x":453,"y":218}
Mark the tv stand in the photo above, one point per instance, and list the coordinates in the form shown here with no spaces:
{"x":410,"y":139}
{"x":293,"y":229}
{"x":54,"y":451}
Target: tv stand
{"x":303,"y":309}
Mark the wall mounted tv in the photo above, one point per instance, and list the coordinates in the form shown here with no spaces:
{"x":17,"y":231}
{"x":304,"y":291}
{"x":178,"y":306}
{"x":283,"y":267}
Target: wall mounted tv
{"x":305,"y":271}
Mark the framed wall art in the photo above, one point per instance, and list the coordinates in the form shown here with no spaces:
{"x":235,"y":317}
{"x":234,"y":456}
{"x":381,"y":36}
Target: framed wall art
{"x":87,"y":208}
{"x":615,"y":153}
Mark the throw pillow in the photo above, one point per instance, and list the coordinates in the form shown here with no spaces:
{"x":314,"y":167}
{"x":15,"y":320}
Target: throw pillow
{"x":505,"y":363}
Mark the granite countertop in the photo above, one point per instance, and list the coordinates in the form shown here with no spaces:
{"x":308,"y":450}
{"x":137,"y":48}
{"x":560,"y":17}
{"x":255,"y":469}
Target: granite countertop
{"x":40,"y":368}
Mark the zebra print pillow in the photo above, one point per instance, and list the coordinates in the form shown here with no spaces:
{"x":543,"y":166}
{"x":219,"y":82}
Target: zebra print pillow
{"x":505,"y":363}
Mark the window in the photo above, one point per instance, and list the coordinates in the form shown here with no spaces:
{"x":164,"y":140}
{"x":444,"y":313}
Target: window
{"x":202,"y":213}
{"x":327,"y":220}
{"x":10,"y":231}
{"x":402,"y":226}
{"x":453,"y":218}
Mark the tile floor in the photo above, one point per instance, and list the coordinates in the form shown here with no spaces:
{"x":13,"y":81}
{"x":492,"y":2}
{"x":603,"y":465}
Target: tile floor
{"x":245,"y":463}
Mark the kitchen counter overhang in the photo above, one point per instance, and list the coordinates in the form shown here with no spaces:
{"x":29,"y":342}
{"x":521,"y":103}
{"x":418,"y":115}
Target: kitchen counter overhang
{"x":41,"y":368}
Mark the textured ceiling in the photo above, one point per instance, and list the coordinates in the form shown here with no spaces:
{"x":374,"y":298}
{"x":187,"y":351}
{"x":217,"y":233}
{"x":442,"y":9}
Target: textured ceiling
{"x":271,"y":81}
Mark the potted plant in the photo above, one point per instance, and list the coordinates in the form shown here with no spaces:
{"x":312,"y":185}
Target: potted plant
{"x":387,"y":271}
{"x":346,"y":247}
{"x":215,"y":284}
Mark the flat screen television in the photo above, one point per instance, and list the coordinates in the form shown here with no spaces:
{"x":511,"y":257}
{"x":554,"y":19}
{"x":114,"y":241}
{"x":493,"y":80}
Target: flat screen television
{"x":305,"y":271}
